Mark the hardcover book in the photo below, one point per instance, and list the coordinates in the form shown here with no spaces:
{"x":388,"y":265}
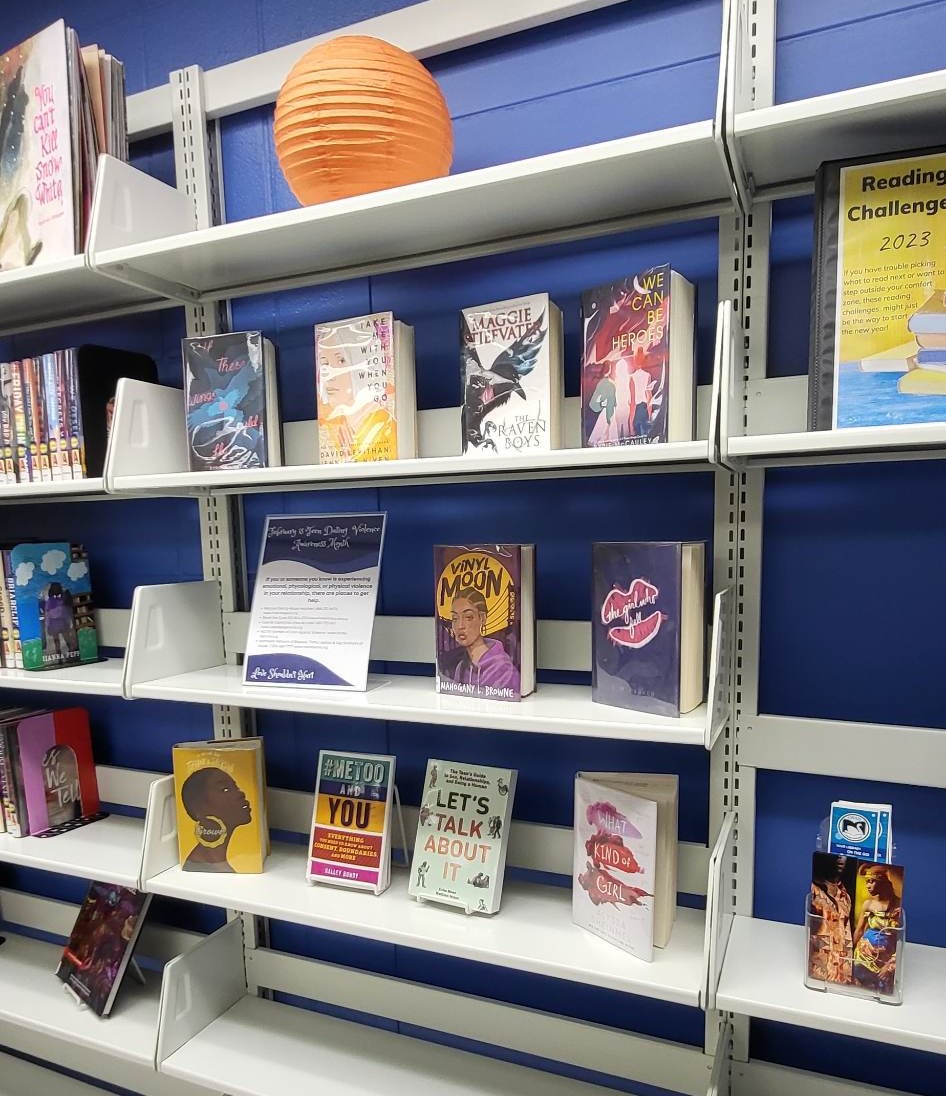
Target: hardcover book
{"x":625,"y":882}
{"x":485,"y":620}
{"x":54,"y":605}
{"x":647,"y":629}
{"x":351,"y":822}
{"x":51,"y":755}
{"x":511,"y":354}
{"x":462,"y":834}
{"x":220,"y":792}
{"x":637,"y":373}
{"x":314,"y":601}
{"x":365,"y":389}
{"x":100,"y":947}
{"x":878,"y":281}
{"x":231,"y":400}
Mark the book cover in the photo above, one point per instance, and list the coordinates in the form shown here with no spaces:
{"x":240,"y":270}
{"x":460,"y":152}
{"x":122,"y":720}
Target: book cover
{"x":226,"y":401}
{"x":37,"y":214}
{"x":642,"y":625}
{"x":356,"y":389}
{"x":625,"y":360}
{"x":56,"y":768}
{"x":100,"y":946}
{"x":615,"y":866}
{"x":462,"y":834}
{"x":220,"y":795}
{"x":509,"y":352}
{"x":478,"y":620}
{"x":50,"y":586}
{"x":878,"y":278}
{"x":351,"y":821}
{"x":314,"y":601}
{"x":855,"y":924}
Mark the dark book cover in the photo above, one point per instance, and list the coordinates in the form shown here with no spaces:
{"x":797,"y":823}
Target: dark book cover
{"x":478,"y":620}
{"x":635,"y":626}
{"x":226,"y":401}
{"x":102,"y":941}
{"x":625,"y":360}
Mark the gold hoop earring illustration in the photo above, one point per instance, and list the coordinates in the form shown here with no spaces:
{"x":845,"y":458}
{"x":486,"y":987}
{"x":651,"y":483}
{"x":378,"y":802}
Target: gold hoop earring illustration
{"x":211,"y":837}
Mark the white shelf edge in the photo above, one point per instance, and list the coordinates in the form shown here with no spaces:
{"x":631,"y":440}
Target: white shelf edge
{"x":84,"y":853}
{"x":62,"y":489}
{"x":93,"y":679}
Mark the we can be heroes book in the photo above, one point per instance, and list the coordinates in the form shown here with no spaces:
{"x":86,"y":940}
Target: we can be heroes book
{"x":53,"y":593}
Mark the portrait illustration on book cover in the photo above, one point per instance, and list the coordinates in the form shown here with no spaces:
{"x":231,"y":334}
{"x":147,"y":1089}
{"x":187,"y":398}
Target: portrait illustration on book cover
{"x":218,"y":806}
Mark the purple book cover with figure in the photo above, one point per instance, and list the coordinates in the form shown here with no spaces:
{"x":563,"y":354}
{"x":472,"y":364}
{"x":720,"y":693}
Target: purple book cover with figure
{"x":635,"y":626}
{"x":478,"y":602}
{"x":314,"y":601}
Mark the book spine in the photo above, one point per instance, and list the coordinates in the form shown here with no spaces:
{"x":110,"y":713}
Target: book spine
{"x":24,"y":470}
{"x":29,"y":418}
{"x":40,"y":424}
{"x":53,"y":405}
{"x":7,"y":431}
{"x":6,"y":623}
{"x":76,"y":436}
{"x":9,"y":581}
{"x":8,"y":787}
{"x":65,"y":406}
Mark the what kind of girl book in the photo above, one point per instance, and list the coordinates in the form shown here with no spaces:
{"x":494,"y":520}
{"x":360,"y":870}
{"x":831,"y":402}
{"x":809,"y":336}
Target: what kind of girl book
{"x":462,"y":834}
{"x":351,"y":823}
{"x":647,"y":630}
{"x":625,"y":883}
{"x":485,"y":620}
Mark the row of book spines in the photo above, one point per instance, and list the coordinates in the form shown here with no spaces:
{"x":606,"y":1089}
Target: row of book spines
{"x":10,"y":650}
{"x":12,"y":798}
{"x":41,"y":436}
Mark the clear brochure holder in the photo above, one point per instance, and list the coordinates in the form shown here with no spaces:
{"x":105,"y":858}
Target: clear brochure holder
{"x":133,"y":969}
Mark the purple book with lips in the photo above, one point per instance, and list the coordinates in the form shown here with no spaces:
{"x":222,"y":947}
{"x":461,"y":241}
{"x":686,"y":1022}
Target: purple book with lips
{"x":485,"y":620}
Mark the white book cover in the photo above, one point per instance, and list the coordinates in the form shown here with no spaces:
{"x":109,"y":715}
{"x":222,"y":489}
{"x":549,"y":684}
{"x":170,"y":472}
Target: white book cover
{"x":314,"y":601}
{"x":511,"y":372}
{"x":462,"y":834}
{"x":614,"y":885}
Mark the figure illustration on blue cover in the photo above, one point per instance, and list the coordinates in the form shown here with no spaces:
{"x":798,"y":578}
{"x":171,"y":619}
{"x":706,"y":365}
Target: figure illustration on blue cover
{"x":477,"y":659}
{"x":225,"y":402}
{"x":54,"y":603}
{"x":878,"y":928}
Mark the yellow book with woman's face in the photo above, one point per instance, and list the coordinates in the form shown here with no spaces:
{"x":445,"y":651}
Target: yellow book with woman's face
{"x":220,"y":794}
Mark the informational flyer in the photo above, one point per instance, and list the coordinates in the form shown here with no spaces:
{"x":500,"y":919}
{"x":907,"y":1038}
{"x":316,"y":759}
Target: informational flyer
{"x":314,"y":601}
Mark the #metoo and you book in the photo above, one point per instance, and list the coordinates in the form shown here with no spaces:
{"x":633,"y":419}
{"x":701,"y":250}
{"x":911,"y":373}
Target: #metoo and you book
{"x":232,"y":403}
{"x":625,"y":883}
{"x":103,"y":938}
{"x":647,"y":630}
{"x":511,"y":353}
{"x":637,"y":373}
{"x":314,"y":601}
{"x":351,"y":822}
{"x":365,"y":389}
{"x":462,"y":834}
{"x":220,"y":792}
{"x":485,"y":620}
{"x":878,"y":306}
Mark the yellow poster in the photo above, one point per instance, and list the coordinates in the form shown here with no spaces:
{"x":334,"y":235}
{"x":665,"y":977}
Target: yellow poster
{"x":890,"y":353}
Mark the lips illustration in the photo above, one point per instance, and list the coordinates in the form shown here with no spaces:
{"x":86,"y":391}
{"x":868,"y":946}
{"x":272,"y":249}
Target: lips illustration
{"x":619,"y":601}
{"x":637,"y":635}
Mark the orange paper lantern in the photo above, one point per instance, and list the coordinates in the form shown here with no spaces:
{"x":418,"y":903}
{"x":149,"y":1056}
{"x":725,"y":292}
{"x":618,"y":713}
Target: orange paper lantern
{"x":357,"y":114}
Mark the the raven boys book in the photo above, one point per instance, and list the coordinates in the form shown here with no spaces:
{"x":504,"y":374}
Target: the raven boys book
{"x":647,"y":626}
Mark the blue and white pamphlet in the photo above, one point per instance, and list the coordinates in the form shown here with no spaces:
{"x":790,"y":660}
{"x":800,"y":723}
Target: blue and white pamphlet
{"x":314,"y":601}
{"x":862,"y":830}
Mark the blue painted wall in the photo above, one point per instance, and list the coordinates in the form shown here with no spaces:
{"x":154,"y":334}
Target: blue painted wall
{"x":860,"y":545}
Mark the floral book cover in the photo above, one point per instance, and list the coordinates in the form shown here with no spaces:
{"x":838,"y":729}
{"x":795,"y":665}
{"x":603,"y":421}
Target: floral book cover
{"x":626,"y":331}
{"x":102,"y":941}
{"x":478,"y":620}
{"x":462,"y":834}
{"x":226,"y":401}
{"x":355,"y":382}
{"x":615,"y":862}
{"x":37,"y":217}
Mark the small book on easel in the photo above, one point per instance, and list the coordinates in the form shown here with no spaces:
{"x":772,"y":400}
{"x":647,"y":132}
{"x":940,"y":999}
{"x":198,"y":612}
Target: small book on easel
{"x":351,"y":821}
{"x":102,"y":941}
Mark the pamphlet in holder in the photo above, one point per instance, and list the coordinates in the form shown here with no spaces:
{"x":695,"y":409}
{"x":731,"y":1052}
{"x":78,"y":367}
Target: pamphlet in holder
{"x":867,"y":963}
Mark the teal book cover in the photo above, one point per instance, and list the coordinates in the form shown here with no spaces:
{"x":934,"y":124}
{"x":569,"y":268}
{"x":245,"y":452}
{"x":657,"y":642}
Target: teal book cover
{"x":54,"y":603}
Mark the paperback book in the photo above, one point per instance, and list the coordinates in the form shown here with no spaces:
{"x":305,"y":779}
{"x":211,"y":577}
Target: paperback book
{"x":637,"y":374}
{"x":351,"y":822}
{"x":878,"y":314}
{"x":462,"y":835}
{"x":365,"y":389}
{"x":101,"y":944}
{"x":511,"y":354}
{"x":625,"y":881}
{"x":232,"y":404}
{"x":314,"y":601}
{"x":220,"y":793}
{"x":53,"y":593}
{"x":647,"y":626}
